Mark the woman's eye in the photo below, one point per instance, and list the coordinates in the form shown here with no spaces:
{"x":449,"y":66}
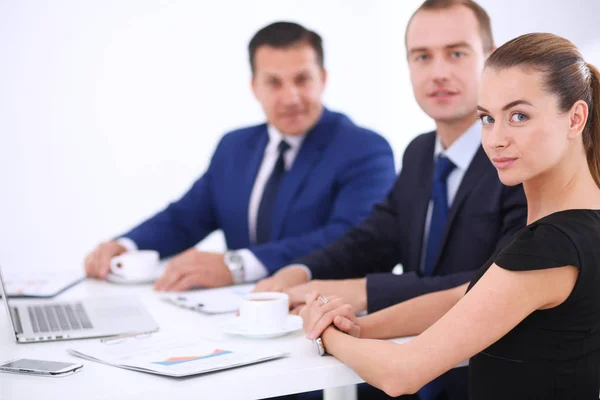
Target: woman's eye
{"x":486,"y":119}
{"x":518,"y":117}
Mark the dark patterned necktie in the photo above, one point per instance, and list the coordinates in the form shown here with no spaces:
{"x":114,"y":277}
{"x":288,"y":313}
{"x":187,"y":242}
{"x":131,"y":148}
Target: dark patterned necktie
{"x":264,"y":217}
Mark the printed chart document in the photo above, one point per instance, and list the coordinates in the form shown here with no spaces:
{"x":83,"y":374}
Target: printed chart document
{"x":171,"y":357}
{"x":211,"y":301}
{"x":40,"y":283}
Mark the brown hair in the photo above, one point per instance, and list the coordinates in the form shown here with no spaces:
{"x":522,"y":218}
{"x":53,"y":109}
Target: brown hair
{"x":485,"y":26}
{"x":566,"y":75}
{"x":283,"y":35}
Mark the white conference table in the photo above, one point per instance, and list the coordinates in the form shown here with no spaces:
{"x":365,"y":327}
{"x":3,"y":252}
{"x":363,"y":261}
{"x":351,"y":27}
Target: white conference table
{"x":302,"y":371}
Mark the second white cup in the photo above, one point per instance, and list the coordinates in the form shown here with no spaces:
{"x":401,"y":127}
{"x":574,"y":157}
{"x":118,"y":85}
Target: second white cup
{"x":264,"y":312}
{"x":135,"y":264}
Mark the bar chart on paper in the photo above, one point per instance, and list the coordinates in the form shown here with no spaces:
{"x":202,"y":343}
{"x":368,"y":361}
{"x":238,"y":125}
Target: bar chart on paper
{"x":170,"y":356}
{"x":178,"y":360}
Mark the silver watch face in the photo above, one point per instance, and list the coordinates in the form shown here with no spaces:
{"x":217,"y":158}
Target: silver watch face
{"x":235,"y":258}
{"x":234,"y":262}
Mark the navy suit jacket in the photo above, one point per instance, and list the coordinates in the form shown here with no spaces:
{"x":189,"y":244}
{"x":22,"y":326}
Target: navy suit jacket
{"x":483,"y":215}
{"x":340,"y":171}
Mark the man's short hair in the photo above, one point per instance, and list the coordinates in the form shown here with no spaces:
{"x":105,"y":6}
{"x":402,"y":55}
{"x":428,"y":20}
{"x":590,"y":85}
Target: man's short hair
{"x":283,"y":35}
{"x":485,"y":25}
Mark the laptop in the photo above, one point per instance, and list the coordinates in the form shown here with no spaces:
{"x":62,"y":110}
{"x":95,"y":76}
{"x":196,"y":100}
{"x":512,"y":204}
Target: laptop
{"x":42,"y":320}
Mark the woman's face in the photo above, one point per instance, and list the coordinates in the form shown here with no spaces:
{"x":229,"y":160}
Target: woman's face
{"x":524,"y":133}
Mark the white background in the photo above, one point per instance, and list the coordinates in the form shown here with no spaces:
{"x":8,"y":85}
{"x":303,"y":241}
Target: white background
{"x":111,"y":109}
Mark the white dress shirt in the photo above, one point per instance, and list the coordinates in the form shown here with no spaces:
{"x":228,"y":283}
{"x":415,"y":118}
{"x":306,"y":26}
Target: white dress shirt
{"x":270,"y":157}
{"x":253,"y":268}
{"x":461,"y":153}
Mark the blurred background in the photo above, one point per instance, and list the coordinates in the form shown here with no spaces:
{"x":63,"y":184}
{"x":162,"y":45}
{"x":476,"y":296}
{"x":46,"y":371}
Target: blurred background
{"x":111,"y":109}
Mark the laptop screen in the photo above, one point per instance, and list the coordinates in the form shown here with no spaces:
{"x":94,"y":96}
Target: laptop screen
{"x":5,"y":301}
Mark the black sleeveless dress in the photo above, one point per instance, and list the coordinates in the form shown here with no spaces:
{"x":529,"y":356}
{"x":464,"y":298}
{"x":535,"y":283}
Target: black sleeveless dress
{"x":554,"y":353}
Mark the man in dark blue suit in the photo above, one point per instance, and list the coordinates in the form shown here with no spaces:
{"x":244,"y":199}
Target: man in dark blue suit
{"x":447,"y":210}
{"x":278,"y":190}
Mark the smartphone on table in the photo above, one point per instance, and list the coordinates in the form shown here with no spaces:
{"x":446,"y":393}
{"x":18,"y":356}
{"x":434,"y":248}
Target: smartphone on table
{"x":40,"y":367}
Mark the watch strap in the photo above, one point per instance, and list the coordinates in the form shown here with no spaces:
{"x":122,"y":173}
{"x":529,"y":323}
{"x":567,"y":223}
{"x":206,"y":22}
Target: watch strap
{"x":320,"y":348}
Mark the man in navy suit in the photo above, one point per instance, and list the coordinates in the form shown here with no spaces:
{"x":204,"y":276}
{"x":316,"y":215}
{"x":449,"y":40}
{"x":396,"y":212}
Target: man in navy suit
{"x":447,"y":211}
{"x":278,"y":190}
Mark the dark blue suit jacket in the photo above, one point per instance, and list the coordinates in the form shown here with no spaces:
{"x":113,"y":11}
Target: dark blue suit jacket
{"x":340,"y":171}
{"x":483,"y":215}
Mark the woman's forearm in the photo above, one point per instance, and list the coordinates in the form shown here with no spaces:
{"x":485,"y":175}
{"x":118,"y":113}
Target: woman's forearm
{"x":371,"y":360}
{"x":396,"y":369}
{"x":410,"y":317}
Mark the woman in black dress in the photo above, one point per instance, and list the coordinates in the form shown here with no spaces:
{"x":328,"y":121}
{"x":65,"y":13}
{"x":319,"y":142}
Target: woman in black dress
{"x":530,"y":320}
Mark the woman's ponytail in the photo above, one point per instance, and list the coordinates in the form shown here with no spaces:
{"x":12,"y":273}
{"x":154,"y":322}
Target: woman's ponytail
{"x":593,"y":125}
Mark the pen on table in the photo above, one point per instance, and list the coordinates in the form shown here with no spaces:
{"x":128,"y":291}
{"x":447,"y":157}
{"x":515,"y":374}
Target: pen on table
{"x":125,"y":336}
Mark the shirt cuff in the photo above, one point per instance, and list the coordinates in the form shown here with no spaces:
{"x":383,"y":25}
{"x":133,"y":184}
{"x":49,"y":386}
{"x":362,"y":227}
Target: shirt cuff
{"x":254,"y":270}
{"x":127,"y":243}
{"x":308,"y":272}
{"x":304,"y":267}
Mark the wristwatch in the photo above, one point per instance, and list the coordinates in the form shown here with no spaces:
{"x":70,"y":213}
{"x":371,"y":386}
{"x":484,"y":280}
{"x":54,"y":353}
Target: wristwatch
{"x":320,"y":348}
{"x":318,"y":341}
{"x":235,"y":263}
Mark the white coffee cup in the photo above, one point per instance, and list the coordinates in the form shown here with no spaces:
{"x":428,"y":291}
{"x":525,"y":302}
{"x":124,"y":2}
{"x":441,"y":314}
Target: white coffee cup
{"x":264,"y":312}
{"x":143,"y":264}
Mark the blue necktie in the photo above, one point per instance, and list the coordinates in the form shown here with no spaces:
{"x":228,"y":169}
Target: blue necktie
{"x":267,"y":203}
{"x":439,"y":217}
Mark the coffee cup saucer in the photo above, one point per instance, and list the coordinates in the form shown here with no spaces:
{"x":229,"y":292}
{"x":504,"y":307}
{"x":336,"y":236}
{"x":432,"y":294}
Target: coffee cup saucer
{"x":133,"y":281}
{"x":235,"y":326}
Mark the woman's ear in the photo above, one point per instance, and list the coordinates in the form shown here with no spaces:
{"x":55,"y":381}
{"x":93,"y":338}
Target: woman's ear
{"x":578,"y":115}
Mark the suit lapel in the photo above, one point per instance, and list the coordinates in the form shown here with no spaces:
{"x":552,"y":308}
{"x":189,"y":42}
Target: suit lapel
{"x":477,"y":168}
{"x":422,"y":195}
{"x":310,"y":153}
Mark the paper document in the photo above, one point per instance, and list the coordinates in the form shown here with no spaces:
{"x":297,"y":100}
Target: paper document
{"x":40,"y":283}
{"x":211,"y":301}
{"x":166,"y":356}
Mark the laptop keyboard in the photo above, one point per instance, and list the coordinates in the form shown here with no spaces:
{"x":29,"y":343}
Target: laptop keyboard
{"x":58,"y":317}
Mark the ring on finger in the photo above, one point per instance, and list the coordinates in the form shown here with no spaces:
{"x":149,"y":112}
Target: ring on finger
{"x":323,"y":299}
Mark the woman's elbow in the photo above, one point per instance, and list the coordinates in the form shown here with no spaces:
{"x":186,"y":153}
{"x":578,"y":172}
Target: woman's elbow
{"x":396,"y":388}
{"x":393,"y":389}
{"x":395,"y":385}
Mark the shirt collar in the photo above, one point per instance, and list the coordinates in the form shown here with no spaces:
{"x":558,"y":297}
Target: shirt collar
{"x":295,"y":141}
{"x":462,"y":151}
